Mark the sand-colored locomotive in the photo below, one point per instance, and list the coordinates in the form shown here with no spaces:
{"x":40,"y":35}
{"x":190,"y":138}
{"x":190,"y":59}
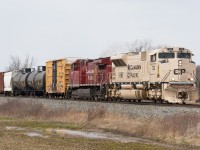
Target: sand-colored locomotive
{"x":166,"y":74}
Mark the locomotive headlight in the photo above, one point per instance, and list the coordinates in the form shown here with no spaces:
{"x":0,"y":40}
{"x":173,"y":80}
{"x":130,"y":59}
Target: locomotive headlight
{"x":180,"y":63}
{"x":173,"y":79}
{"x":191,"y":79}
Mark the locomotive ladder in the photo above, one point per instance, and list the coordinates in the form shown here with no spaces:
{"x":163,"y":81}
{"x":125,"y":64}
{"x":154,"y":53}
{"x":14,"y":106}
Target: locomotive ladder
{"x":198,"y":86}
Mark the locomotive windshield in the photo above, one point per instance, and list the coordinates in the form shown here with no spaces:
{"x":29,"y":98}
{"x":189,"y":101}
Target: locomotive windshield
{"x":166,"y":55}
{"x":184,"y":55}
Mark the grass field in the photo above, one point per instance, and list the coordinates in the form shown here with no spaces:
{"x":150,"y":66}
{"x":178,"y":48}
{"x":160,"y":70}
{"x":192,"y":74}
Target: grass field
{"x":16,"y":138}
{"x":180,"y":131}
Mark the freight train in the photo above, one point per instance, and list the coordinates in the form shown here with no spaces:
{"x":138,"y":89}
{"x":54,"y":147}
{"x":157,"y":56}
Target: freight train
{"x":161,"y":75}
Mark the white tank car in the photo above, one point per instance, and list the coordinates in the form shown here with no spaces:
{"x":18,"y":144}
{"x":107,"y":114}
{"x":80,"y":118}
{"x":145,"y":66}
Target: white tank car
{"x":166,"y":74}
{"x":8,"y":89}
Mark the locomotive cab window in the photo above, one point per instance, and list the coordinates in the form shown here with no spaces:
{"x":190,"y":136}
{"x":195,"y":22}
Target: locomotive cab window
{"x":184,"y":55}
{"x":166,"y":55}
{"x":74,"y":67}
{"x":153,"y":58}
{"x":102,"y":66}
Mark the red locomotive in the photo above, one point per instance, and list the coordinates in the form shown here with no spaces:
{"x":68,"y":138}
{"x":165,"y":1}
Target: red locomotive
{"x":88,"y":78}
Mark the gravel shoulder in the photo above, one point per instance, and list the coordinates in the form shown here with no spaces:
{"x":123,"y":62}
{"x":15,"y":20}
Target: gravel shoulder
{"x":145,"y":111}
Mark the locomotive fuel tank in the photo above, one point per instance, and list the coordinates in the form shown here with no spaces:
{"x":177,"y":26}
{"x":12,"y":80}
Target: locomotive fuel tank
{"x":132,"y":94}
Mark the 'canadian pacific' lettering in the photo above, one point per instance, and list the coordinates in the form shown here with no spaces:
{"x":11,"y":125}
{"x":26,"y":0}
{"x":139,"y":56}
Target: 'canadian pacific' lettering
{"x":132,"y":75}
{"x":131,"y":67}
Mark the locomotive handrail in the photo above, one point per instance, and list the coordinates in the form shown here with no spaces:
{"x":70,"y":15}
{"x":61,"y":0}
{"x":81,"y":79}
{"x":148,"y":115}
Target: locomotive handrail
{"x":198,"y":84}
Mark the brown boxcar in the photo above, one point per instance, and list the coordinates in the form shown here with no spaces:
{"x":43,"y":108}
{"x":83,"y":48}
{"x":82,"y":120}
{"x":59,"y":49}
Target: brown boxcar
{"x":1,"y":82}
{"x":57,"y":77}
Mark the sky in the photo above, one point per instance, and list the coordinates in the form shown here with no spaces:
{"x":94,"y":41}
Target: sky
{"x":53,"y":29}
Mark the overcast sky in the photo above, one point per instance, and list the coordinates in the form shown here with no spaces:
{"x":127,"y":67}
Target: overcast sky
{"x":50,"y":29}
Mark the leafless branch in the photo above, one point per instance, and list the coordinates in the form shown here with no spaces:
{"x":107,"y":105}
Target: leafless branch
{"x":16,"y":63}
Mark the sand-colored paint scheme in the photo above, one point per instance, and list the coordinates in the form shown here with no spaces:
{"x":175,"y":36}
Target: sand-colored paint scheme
{"x":57,"y":77}
{"x":166,"y":74}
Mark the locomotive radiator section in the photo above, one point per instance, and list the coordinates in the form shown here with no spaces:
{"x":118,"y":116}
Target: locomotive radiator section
{"x":164,"y":75}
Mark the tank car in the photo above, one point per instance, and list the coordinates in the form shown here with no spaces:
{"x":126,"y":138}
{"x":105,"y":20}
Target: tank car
{"x":8,"y":88}
{"x":36,"y":81}
{"x":19,"y":82}
{"x":165,"y":74}
{"x":88,"y":78}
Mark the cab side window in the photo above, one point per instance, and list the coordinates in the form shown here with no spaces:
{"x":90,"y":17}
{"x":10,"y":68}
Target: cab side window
{"x":153,"y":58}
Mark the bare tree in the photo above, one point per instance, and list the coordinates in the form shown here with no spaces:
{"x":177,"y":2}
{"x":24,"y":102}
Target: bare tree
{"x":28,"y":62}
{"x":135,"y":46}
{"x":17,"y":64}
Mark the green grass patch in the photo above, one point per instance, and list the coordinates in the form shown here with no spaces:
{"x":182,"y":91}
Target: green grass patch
{"x":44,"y":125}
{"x":5,"y":118}
{"x":112,"y":145}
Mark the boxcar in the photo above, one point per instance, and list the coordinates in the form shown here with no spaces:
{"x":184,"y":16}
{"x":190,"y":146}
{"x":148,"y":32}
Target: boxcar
{"x":1,"y":82}
{"x":57,"y":77}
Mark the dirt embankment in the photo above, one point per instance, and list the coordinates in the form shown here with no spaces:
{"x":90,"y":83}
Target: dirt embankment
{"x":180,"y":128}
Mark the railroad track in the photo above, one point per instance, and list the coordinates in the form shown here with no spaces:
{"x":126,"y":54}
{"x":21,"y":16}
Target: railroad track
{"x":144,"y":102}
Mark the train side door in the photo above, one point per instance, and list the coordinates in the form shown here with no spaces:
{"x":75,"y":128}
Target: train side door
{"x":153,"y":68}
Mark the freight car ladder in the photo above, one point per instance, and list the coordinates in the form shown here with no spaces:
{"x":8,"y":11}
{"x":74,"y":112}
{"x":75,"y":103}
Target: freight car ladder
{"x":67,"y":74}
{"x":198,"y":87}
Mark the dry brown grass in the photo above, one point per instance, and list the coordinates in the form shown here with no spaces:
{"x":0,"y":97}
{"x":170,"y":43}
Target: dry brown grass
{"x":96,"y":113}
{"x":179,"y":128}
